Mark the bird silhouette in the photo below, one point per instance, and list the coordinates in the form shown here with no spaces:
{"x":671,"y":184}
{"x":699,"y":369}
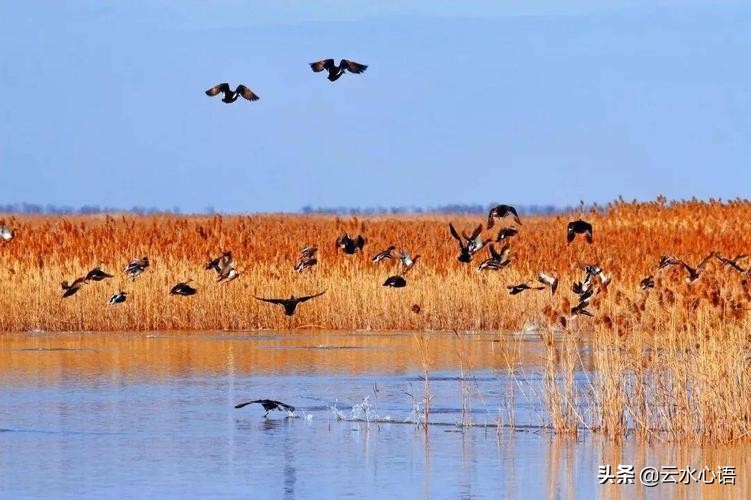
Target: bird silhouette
{"x":118,"y":298}
{"x":337,"y":71}
{"x":183,"y":289}
{"x":395,"y":281}
{"x":290,"y":304}
{"x":501,"y":211}
{"x":268,"y":405}
{"x":97,"y":274}
{"x":232,"y":95}
{"x":350,"y":245}
{"x":579,"y":227}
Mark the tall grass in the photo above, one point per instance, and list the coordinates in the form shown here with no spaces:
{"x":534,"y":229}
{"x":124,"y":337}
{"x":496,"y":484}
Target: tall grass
{"x":629,"y":238}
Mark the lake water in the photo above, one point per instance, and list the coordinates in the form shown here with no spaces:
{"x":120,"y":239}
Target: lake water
{"x":132,"y":415}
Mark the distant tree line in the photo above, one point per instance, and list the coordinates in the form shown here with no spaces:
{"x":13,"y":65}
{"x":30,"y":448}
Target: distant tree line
{"x":37,"y":209}
{"x":454,"y":208}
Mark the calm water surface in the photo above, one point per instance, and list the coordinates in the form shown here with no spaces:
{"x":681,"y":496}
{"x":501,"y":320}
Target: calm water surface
{"x":134,"y":415}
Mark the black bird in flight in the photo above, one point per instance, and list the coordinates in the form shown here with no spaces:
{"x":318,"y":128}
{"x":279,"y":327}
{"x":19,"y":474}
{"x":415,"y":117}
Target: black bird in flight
{"x":350,"y":245}
{"x":136,"y":267}
{"x":291,"y":303}
{"x":517,"y":289}
{"x":549,"y":280}
{"x":232,"y":95}
{"x":474,"y":243}
{"x":71,"y":289}
{"x":497,"y":260}
{"x":579,"y":227}
{"x":395,"y":282}
{"x":647,"y":283}
{"x":336,"y":71}
{"x":118,"y":298}
{"x":732,"y":263}
{"x":97,"y":274}
{"x":183,"y":289}
{"x":268,"y":405}
{"x":502,"y":211}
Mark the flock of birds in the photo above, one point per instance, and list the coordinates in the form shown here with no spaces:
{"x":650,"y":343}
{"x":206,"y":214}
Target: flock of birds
{"x":334,"y":73}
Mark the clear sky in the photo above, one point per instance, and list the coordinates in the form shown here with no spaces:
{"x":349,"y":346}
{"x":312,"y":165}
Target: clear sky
{"x":526,"y":102}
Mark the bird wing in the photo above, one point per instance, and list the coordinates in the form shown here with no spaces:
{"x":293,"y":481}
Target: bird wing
{"x":222,"y":87}
{"x":352,"y":66}
{"x":456,"y":236}
{"x":570,"y":232}
{"x":308,"y":297}
{"x":491,"y":214}
{"x":273,"y":301}
{"x":504,"y":252}
{"x":360,"y":242}
{"x":516,"y":215}
{"x":706,"y":259}
{"x":476,"y":232}
{"x":285,"y":406}
{"x":323,"y":64}
{"x":545,"y":278}
{"x":494,"y":253}
{"x":246,"y":93}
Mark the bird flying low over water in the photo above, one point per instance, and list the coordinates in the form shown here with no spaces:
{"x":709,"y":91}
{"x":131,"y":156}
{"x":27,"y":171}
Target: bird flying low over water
{"x":291,"y":303}
{"x":386,"y":254}
{"x":136,"y":267}
{"x":336,"y":71}
{"x":183,"y":289}
{"x":517,"y":289}
{"x":232,"y":95}
{"x":97,"y":274}
{"x":72,"y":288}
{"x":118,"y":298}
{"x":549,"y":280}
{"x":6,"y":233}
{"x":579,"y":227}
{"x":350,"y":245}
{"x":395,"y":282}
{"x":501,"y":211}
{"x":268,"y":405}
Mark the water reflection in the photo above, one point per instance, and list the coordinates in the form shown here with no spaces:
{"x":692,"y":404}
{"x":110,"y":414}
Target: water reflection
{"x":135,"y":415}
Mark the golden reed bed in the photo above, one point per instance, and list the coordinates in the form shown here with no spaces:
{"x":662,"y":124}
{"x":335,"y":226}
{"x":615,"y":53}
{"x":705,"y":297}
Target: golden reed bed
{"x":629,"y":239}
{"x":671,"y":364}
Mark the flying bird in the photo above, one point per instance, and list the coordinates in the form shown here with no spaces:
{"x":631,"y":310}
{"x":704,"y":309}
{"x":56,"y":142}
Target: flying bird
{"x":695,"y":272}
{"x":97,"y":274}
{"x":581,"y":309}
{"x":505,"y":233}
{"x":118,"y":298}
{"x":183,"y":289}
{"x":549,"y":280}
{"x":501,"y":211}
{"x":408,"y":262}
{"x":71,"y":289}
{"x":517,"y":289}
{"x":136,"y":267}
{"x":732,"y":263}
{"x":667,"y":261}
{"x":647,"y":283}
{"x":268,"y":405}
{"x":6,"y":233}
{"x":218,"y":263}
{"x":232,"y":95}
{"x":336,"y":71}
{"x":579,"y":227}
{"x":395,"y":282}
{"x":307,"y":259}
{"x":291,"y":303}
{"x":497,"y":260}
{"x":474,"y":243}
{"x":386,"y":254}
{"x":350,"y":245}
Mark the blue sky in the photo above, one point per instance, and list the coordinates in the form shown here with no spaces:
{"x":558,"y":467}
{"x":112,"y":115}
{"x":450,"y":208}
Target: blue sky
{"x":529,"y":102}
